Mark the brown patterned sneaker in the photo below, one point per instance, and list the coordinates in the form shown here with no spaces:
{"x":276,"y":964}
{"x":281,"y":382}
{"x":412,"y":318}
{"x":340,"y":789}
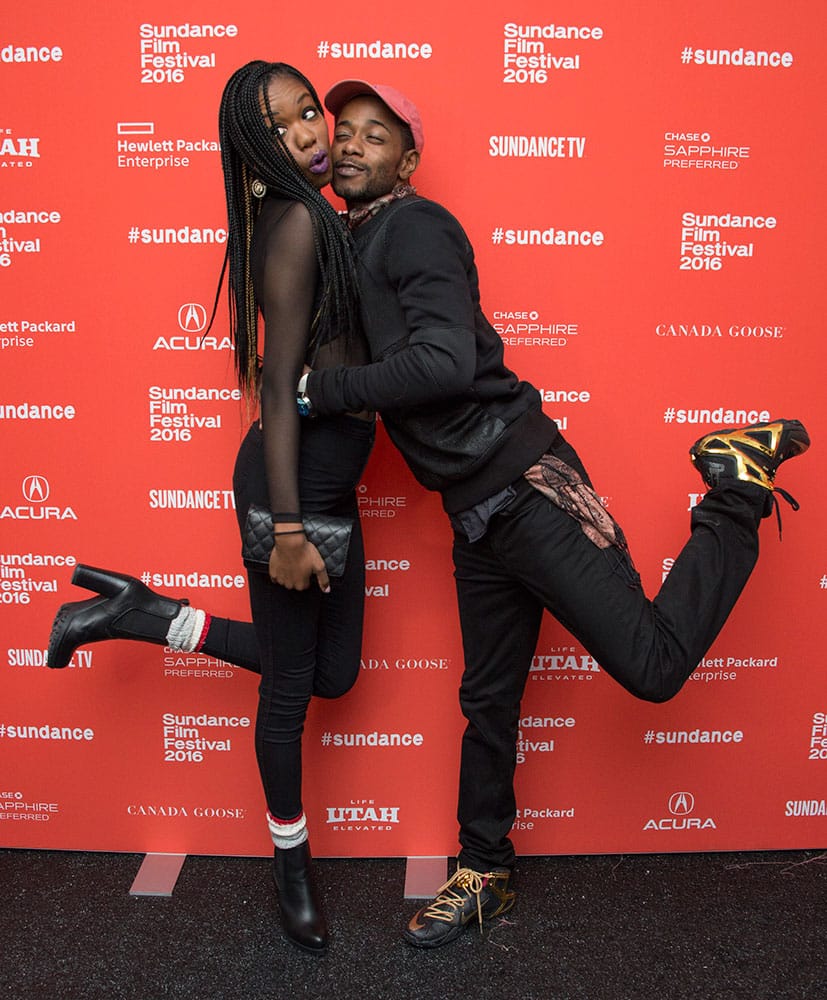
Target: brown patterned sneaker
{"x":467,"y":894}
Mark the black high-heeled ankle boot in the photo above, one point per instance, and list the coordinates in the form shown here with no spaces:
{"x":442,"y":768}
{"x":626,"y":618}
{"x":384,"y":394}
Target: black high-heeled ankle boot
{"x":302,"y":916}
{"x":124,"y":609}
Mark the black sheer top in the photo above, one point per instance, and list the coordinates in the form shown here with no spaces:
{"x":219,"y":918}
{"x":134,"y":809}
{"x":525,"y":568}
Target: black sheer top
{"x":285,"y":279}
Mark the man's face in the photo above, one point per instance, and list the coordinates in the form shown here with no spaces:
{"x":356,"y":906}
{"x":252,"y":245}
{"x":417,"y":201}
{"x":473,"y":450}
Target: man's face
{"x":367,"y":151}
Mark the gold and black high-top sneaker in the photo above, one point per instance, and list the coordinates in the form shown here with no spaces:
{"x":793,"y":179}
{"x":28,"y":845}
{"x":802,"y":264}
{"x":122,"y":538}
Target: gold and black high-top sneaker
{"x":466,"y":895}
{"x":750,"y":454}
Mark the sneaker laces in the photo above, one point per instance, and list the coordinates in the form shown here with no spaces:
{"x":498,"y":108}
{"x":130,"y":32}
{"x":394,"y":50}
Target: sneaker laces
{"x":448,"y":901}
{"x":791,"y":500}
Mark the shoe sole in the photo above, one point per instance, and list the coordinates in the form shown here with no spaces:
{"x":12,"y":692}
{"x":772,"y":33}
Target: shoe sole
{"x":429,"y":943}
{"x":306,"y":948}
{"x":56,"y":637}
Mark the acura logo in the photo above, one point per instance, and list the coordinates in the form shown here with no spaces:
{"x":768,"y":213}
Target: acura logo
{"x":36,"y":489}
{"x":681,"y":803}
{"x":192,"y":317}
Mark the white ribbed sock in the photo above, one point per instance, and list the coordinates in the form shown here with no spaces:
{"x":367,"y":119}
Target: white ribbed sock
{"x":287,"y":835}
{"x":185,"y":629}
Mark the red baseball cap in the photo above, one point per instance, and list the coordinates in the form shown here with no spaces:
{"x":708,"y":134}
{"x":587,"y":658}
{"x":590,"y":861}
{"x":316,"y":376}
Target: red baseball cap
{"x":345,"y":90}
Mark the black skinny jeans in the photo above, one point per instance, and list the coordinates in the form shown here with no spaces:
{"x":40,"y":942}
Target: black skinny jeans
{"x":535,"y":557}
{"x":307,"y":642}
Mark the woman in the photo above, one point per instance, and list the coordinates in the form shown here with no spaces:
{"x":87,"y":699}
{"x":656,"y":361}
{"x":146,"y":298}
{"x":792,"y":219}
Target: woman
{"x":289,"y":258}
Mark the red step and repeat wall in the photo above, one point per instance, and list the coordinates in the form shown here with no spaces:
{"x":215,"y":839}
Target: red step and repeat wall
{"x":643,"y":186}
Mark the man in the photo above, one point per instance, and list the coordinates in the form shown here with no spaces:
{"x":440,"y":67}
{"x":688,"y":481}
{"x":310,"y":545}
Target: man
{"x":529,"y":531}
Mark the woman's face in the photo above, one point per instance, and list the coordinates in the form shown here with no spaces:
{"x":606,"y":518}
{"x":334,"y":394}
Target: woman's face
{"x":302,"y":128}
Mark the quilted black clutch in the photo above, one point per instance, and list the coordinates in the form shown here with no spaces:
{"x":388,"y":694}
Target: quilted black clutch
{"x":330,"y":535}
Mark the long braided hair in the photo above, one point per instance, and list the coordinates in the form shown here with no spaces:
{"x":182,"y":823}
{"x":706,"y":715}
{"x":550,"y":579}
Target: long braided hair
{"x":251,"y":148}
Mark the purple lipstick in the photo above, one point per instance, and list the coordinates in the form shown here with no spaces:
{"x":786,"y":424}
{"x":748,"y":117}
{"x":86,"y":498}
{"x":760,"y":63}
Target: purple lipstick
{"x":319,"y":162}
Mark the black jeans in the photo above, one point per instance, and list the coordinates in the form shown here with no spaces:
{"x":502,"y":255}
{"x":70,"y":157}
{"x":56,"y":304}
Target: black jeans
{"x":308,"y":642}
{"x":535,"y":557}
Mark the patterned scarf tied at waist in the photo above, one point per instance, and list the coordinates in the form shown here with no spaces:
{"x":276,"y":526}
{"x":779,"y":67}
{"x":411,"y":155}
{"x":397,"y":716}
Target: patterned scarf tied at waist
{"x":565,"y":489}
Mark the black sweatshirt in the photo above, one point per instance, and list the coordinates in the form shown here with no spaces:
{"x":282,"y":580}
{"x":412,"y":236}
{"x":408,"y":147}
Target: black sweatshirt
{"x":465,"y":424}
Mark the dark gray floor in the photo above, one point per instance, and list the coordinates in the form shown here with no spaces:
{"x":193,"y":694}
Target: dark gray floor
{"x":703,"y":926}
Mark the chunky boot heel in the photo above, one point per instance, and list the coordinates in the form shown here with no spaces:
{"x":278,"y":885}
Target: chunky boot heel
{"x":102,"y":581}
{"x":124,"y":609}
{"x":302,"y":917}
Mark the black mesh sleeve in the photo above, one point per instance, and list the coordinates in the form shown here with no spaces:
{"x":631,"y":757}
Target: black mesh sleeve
{"x":285,"y":274}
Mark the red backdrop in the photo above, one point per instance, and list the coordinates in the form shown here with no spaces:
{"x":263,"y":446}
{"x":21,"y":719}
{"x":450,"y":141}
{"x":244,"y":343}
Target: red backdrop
{"x":643,"y":190}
